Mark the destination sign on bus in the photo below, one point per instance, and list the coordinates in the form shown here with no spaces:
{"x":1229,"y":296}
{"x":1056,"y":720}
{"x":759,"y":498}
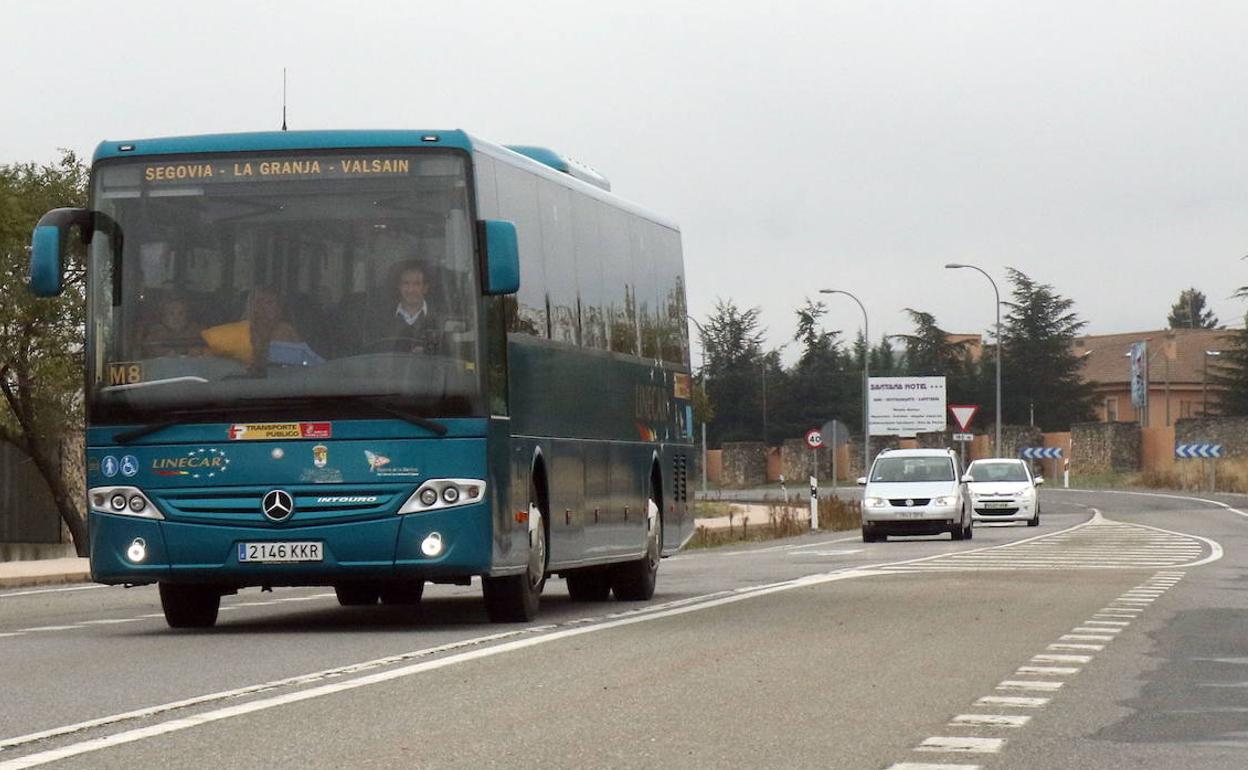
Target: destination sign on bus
{"x":278,"y":169}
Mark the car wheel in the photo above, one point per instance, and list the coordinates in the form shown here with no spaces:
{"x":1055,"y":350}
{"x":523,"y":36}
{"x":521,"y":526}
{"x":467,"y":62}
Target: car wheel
{"x":957,"y":531}
{"x":1034,"y":521}
{"x":189,"y":606}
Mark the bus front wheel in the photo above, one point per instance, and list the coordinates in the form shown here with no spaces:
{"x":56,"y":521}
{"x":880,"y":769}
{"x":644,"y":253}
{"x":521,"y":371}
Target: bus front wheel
{"x":189,"y":606}
{"x":516,"y":598}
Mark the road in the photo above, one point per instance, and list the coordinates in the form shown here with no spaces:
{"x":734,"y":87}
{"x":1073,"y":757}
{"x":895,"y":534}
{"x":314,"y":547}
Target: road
{"x":1111,"y":636}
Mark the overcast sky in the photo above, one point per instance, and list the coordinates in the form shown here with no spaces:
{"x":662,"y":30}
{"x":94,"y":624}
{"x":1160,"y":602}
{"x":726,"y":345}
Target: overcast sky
{"x":1098,"y":146}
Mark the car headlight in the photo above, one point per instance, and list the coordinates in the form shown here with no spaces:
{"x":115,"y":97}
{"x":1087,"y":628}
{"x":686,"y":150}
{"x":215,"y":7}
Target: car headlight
{"x":942,"y":501}
{"x":875,"y":502}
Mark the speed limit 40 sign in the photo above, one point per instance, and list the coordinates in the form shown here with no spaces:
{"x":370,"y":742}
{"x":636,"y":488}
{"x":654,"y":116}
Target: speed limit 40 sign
{"x":814,"y":439}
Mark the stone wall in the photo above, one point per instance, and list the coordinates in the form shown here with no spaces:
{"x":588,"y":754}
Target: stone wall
{"x":1015,"y":438}
{"x":1104,"y":447}
{"x":1230,"y":432}
{"x":796,"y":463}
{"x":744,"y":464}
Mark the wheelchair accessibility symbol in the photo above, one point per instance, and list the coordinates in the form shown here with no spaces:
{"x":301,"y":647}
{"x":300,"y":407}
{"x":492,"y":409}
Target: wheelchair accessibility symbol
{"x":129,"y":465}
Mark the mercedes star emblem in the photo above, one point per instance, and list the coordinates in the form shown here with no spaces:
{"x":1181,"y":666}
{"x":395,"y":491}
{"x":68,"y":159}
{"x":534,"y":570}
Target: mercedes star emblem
{"x":277,"y":505}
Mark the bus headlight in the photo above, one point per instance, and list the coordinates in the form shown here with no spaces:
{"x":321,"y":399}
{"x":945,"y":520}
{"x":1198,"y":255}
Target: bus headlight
{"x":123,"y":501}
{"x":436,"y":494}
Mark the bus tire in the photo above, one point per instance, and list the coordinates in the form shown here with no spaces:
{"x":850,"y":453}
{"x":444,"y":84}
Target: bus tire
{"x":589,"y":585}
{"x":357,"y":594}
{"x":516,"y":598}
{"x":189,"y":606}
{"x":634,"y":581}
{"x":403,"y":592}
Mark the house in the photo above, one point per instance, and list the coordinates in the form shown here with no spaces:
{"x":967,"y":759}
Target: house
{"x":1179,"y":361}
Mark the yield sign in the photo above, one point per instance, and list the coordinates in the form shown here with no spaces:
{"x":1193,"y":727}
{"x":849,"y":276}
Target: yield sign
{"x":964,"y":415}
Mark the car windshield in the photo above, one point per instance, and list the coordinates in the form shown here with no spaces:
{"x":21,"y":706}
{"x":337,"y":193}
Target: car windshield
{"x":278,"y":279}
{"x":997,"y":472}
{"x":902,"y":469}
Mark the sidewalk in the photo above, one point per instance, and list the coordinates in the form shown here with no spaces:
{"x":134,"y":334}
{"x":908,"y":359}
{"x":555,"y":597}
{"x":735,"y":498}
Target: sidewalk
{"x":42,"y":572}
{"x":752,"y":515}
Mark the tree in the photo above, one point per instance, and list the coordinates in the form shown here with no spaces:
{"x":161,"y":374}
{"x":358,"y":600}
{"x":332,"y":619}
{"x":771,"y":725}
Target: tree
{"x":734,"y":372}
{"x":814,"y":389}
{"x":929,"y":351}
{"x":1190,"y":311}
{"x":41,"y":340}
{"x":1230,"y":374}
{"x":1038,"y":362}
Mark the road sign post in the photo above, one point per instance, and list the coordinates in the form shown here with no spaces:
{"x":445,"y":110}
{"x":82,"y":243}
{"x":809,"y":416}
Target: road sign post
{"x":1205,"y":452}
{"x":835,"y":434}
{"x":814,"y":440}
{"x":962,"y":415}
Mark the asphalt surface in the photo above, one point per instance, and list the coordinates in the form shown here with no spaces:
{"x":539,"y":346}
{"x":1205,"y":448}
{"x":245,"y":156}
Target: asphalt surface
{"x":1113,"y":635}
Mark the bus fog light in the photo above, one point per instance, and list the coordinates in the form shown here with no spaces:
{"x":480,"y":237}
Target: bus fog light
{"x":137,"y":551}
{"x":451,"y":495}
{"x":432,"y":545}
{"x":118,"y":502}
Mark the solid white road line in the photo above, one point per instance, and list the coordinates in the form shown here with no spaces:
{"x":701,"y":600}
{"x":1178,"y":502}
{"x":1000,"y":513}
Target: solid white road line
{"x":35,"y":592}
{"x":990,"y":720}
{"x":956,"y":744}
{"x":929,"y":766}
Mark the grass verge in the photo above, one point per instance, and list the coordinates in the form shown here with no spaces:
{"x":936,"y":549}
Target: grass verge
{"x":782,"y":521}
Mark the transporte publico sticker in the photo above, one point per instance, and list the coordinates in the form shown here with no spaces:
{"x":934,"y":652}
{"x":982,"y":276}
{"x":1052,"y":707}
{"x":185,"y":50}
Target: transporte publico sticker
{"x":278,"y":431}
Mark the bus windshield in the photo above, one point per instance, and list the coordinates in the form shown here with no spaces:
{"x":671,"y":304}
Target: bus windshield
{"x":282,"y":279}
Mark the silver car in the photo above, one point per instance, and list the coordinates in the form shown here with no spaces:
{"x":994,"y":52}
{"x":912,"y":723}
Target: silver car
{"x":915,"y":492}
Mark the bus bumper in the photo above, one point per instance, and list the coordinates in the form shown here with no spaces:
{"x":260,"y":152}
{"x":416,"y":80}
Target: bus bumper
{"x":381,"y":548}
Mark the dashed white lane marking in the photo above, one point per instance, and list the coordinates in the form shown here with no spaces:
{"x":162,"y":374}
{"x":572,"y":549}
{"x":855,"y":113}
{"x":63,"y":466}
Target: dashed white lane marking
{"x":956,"y":744}
{"x":1015,"y":701}
{"x":1046,"y":658}
{"x":1086,"y":638}
{"x":990,"y":720}
{"x":1076,"y":646}
{"x":1037,"y":686}
{"x":1112,"y":623}
{"x":1048,"y":670}
{"x":1096,"y":630}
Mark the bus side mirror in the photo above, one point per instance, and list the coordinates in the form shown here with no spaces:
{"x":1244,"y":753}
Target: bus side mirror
{"x":47,"y":248}
{"x":502,"y":257}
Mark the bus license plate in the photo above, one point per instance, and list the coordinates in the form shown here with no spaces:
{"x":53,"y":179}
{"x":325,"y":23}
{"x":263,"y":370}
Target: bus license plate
{"x":281,"y":552}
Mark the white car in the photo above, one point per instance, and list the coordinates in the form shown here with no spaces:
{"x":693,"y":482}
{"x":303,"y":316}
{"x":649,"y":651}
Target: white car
{"x":1003,"y":489}
{"x":915,"y":492}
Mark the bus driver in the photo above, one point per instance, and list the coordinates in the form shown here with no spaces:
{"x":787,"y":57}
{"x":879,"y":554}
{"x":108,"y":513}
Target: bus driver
{"x":409,"y":327}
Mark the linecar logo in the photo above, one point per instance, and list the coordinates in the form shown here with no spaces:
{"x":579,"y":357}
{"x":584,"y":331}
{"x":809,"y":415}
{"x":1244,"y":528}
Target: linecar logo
{"x":316,"y":429}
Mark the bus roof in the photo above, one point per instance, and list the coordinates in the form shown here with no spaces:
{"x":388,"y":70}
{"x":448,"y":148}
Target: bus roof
{"x":261,"y":141}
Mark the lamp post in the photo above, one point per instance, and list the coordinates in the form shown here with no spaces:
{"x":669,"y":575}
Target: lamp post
{"x":702,"y":382}
{"x":1204,"y":399}
{"x":866,"y":381}
{"x":996,"y":447}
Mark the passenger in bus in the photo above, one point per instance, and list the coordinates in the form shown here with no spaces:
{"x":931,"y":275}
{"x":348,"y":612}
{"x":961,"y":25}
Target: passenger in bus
{"x":410,"y":327}
{"x":265,"y":326}
{"x":174,"y":334}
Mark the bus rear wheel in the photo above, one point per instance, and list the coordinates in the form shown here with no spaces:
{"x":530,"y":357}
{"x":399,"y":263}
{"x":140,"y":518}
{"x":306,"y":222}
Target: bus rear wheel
{"x":516,"y":598}
{"x":589,"y":585}
{"x":189,"y":606}
{"x":635,"y":580}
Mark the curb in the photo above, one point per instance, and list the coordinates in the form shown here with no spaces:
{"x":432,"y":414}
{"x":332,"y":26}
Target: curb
{"x":28,"y":581}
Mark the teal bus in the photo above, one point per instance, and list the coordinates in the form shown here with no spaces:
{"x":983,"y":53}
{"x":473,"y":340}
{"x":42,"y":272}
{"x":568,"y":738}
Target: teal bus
{"x":373,"y":360}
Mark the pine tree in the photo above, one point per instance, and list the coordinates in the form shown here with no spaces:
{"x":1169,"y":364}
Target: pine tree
{"x":1190,"y":312}
{"x":1038,"y":363}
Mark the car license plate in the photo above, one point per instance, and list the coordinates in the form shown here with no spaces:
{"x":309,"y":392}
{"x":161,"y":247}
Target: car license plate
{"x":998,"y":505}
{"x":281,"y":551}
{"x":910,"y":514}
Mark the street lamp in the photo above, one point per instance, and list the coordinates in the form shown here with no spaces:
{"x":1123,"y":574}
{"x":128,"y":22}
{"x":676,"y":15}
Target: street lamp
{"x":954,"y":266}
{"x":866,"y":381}
{"x":1204,"y":399}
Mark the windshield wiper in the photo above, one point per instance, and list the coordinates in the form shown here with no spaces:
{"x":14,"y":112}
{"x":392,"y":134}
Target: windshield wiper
{"x":423,"y":422}
{"x":134,"y":434}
